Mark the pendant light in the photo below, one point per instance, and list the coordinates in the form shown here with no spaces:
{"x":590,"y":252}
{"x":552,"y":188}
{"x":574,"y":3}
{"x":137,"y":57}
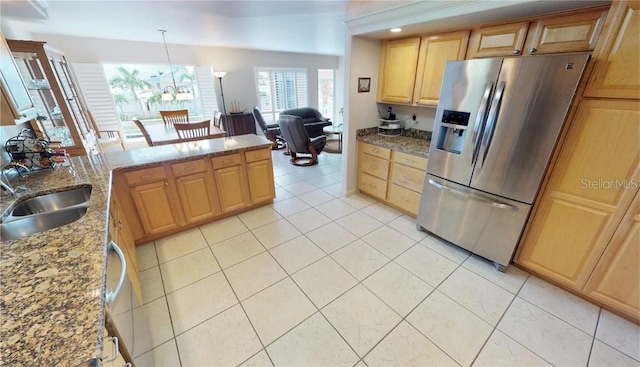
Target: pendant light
{"x":170,"y":93}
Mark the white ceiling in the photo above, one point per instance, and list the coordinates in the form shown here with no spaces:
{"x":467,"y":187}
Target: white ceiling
{"x":306,"y":26}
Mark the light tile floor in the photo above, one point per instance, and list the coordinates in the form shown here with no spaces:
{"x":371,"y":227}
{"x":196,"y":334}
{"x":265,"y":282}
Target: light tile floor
{"x":316,"y":279}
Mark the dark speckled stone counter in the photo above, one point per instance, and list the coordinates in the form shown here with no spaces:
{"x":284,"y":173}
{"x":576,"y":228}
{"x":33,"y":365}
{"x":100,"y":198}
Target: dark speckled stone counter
{"x":52,"y":283}
{"x":419,"y":147}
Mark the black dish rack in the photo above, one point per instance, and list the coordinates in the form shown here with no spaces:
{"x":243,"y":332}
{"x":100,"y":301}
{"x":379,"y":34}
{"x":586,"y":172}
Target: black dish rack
{"x":30,"y":153}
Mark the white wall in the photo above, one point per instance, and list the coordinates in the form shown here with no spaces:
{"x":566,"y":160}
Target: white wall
{"x":362,"y":58}
{"x":238,"y":84}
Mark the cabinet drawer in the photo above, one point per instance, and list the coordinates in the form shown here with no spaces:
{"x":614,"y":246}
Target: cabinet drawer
{"x":410,"y":160}
{"x":226,"y":160}
{"x":375,"y":150}
{"x":147,"y":175}
{"x":257,"y":155}
{"x":187,"y":168}
{"x":372,"y":185}
{"x":407,"y":177}
{"x":374,"y":166}
{"x":404,"y":199}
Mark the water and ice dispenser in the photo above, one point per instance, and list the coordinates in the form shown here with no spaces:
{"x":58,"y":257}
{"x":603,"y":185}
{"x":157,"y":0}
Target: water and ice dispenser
{"x":453,"y":129}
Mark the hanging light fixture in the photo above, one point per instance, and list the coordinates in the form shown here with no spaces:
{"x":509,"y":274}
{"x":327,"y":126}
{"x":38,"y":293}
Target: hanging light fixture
{"x":170,"y":93}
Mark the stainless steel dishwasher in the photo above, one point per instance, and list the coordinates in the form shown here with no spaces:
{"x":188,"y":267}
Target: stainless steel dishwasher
{"x":128,"y":315}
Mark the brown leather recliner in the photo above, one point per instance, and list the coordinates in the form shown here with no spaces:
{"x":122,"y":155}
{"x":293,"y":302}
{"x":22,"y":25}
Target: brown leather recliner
{"x":294,"y":133}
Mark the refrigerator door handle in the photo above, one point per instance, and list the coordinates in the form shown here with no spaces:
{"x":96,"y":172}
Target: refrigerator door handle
{"x":479,"y":125}
{"x":493,"y":203}
{"x":491,"y":120}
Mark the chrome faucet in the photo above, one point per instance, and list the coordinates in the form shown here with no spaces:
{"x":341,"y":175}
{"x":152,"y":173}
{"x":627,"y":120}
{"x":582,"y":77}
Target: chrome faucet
{"x":4,"y":180}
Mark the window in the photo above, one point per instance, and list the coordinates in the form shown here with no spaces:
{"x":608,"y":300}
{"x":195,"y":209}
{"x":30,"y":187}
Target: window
{"x":137,"y":90}
{"x":279,"y":90}
{"x":325,"y":92}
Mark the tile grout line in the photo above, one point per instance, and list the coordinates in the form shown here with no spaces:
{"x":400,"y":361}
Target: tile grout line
{"x":239,"y":303}
{"x":593,"y":341}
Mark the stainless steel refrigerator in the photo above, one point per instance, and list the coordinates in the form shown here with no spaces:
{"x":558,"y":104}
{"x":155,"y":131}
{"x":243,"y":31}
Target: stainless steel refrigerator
{"x":496,"y":125}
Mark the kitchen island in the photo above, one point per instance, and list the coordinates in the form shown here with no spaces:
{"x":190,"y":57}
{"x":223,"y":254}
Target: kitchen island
{"x":53,"y":283}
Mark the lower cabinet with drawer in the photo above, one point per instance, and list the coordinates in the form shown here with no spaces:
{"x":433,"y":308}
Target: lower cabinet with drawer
{"x":391,"y":176}
{"x":170,"y":197}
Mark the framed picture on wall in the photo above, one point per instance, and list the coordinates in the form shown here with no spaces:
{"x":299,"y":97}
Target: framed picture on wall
{"x":364,"y":85}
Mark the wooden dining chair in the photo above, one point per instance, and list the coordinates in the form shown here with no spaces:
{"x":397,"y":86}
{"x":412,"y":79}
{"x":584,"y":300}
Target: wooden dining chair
{"x":217,"y":118}
{"x":194,"y":130}
{"x":144,"y":132}
{"x":175,"y":117}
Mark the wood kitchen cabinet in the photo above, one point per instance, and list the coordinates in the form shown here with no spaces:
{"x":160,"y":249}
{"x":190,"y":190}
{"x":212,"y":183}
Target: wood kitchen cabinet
{"x":398,"y":63}
{"x":412,"y":69}
{"x":393,"y":177}
{"x":573,"y":32}
{"x":196,"y":190}
{"x":153,"y":199}
{"x":566,"y":33}
{"x":616,"y":73}
{"x":231,"y":182}
{"x":260,"y":175}
{"x":373,"y":170}
{"x":586,"y":197}
{"x":616,"y":279}
{"x":497,"y":40}
{"x":407,"y":179}
{"x":435,"y":51}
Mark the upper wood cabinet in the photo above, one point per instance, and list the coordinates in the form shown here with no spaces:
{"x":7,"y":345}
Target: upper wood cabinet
{"x":616,"y":279}
{"x":498,"y":40}
{"x":398,"y":62}
{"x":562,"y":33}
{"x":577,"y":32}
{"x":435,"y":51}
{"x":411,"y":69}
{"x":616,"y":73}
{"x":589,"y":191}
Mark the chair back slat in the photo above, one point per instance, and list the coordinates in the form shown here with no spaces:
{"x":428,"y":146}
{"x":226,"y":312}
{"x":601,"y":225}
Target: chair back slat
{"x":194,"y":130}
{"x":175,"y":117}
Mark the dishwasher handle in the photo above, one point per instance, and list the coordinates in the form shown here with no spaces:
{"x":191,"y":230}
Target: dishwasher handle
{"x":111,"y":296}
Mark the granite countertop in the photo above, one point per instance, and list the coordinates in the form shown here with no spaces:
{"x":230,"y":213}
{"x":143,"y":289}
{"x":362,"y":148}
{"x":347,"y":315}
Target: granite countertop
{"x":53,"y":282}
{"x":405,"y":144}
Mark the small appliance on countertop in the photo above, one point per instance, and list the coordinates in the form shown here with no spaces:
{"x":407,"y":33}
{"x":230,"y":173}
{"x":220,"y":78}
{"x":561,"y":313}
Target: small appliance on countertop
{"x":390,"y":127}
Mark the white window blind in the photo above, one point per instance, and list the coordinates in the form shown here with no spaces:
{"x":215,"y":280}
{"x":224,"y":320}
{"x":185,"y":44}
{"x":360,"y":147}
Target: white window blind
{"x":95,"y":90}
{"x":206,"y":85}
{"x":281,"y":89}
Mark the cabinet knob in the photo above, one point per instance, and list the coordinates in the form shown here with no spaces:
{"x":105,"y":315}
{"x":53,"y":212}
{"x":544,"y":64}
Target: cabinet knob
{"x":416,"y":101}
{"x":533,"y":50}
{"x":166,"y":184}
{"x":516,"y":52}
{"x":408,"y":101}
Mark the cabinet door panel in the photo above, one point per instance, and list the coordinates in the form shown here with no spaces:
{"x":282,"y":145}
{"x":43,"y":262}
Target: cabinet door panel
{"x":404,"y":199}
{"x":616,"y":73}
{"x":374,"y":166}
{"x":154,"y":207}
{"x":616,"y":279}
{"x":590,"y":188}
{"x":261,"y":185}
{"x":435,"y":51}
{"x":195,"y":197}
{"x":372,"y":185}
{"x":231,"y":187}
{"x":566,"y":33}
{"x":398,"y":70}
{"x":500,"y":40}
{"x":408,"y":177}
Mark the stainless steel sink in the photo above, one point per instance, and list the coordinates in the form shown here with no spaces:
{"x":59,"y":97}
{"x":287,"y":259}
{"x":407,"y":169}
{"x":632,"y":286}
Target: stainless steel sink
{"x":51,"y":202}
{"x":45,"y":212}
{"x":35,"y":223}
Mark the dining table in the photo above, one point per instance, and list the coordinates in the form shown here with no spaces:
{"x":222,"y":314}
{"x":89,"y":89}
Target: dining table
{"x":162,"y":134}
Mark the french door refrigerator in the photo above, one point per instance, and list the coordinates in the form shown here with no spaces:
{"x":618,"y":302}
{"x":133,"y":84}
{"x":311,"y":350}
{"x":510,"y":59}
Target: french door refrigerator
{"x":495,"y":128}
